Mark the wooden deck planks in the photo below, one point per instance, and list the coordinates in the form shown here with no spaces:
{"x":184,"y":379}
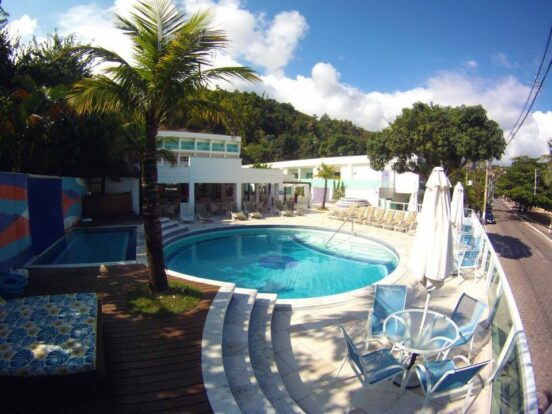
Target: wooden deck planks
{"x":154,"y":365}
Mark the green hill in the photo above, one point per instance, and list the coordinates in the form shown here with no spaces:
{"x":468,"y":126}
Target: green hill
{"x":274,"y":131}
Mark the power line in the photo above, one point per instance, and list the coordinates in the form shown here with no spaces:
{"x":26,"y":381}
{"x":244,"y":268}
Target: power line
{"x":536,"y":87}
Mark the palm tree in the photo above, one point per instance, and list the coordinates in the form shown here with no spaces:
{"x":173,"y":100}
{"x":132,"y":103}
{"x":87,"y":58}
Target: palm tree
{"x":327,"y":172}
{"x":170,"y":54}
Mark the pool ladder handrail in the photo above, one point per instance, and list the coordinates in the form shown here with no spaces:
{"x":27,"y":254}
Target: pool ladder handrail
{"x":350,"y":216}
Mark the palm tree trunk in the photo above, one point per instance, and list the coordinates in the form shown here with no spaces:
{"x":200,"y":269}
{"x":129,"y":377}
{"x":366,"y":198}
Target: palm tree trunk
{"x":152,"y":225}
{"x":325,"y":192}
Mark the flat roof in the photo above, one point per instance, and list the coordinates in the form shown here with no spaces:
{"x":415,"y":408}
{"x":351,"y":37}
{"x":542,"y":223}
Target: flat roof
{"x":202,"y":135}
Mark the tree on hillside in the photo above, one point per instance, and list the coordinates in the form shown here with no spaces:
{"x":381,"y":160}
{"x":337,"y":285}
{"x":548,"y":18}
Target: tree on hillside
{"x":172,"y":56}
{"x":518,"y":183}
{"x":426,"y":136}
{"x":327,"y":172}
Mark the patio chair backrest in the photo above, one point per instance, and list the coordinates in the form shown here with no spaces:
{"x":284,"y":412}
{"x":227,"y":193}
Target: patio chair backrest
{"x":469,"y":258}
{"x":399,"y":216}
{"x":352,"y":351}
{"x":458,"y":378}
{"x":368,"y":212}
{"x":201,"y":210}
{"x":389,"y":214}
{"x":467,"y":314}
{"x":387,"y":300}
{"x":411,"y":219}
{"x":378,"y":213}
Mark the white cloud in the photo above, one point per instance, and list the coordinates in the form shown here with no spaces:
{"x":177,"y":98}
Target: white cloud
{"x":501,"y":59}
{"x":268,"y":44}
{"x":272,"y":43}
{"x":91,"y":23}
{"x":24,"y":27}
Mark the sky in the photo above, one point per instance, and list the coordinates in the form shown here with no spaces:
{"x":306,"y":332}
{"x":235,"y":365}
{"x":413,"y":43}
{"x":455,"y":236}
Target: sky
{"x":358,"y":60}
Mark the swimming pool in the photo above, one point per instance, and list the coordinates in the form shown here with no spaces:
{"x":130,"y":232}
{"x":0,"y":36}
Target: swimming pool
{"x":293,"y":262}
{"x":91,"y":246}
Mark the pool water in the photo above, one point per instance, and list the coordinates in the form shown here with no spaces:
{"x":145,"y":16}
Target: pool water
{"x":91,"y":246}
{"x":292,"y":262}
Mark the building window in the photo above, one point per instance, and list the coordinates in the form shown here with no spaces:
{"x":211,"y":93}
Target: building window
{"x":308,"y":176}
{"x":187,"y":145}
{"x":232,"y":148}
{"x":203,"y":146}
{"x":170,"y":143}
{"x":218,"y":146}
{"x":184,"y":161}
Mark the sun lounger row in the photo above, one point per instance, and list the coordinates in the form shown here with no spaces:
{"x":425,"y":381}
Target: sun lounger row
{"x":387,"y":219}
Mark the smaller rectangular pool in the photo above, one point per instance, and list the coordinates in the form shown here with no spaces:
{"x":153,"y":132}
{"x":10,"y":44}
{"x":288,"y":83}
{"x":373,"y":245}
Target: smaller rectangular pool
{"x":91,"y":246}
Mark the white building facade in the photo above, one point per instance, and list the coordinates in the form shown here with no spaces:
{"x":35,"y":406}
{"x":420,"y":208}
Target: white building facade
{"x":361,"y":181}
{"x":209,"y":169}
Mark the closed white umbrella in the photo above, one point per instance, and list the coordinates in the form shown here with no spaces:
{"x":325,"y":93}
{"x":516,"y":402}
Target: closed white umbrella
{"x":431,"y":258}
{"x":457,"y":206}
{"x":413,"y":202}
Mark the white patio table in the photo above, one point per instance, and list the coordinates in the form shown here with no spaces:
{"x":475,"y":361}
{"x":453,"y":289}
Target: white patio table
{"x":417,"y":333}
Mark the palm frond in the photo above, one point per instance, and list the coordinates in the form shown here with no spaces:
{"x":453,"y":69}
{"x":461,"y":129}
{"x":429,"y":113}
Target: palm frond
{"x":101,"y":94}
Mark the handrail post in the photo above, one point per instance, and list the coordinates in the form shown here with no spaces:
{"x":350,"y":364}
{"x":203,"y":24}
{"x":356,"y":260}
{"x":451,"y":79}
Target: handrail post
{"x":344,"y":222}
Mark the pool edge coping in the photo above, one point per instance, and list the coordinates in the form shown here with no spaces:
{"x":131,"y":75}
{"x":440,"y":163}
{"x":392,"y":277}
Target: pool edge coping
{"x":395,"y":276}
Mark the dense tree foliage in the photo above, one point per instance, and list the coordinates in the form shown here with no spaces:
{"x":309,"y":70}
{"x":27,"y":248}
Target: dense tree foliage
{"x":40,"y":133}
{"x":518,"y":183}
{"x":171,"y":68}
{"x":273,"y":131}
{"x":426,"y":136}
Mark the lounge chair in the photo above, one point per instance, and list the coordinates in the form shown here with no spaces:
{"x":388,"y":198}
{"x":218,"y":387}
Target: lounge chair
{"x":344,"y":213}
{"x":251,"y":211}
{"x":467,"y":261}
{"x":202,"y":214}
{"x":408,"y":223}
{"x":368,"y":213}
{"x":443,"y":378}
{"x":387,"y":217}
{"x":283,"y":210}
{"x":51,"y":339}
{"x":356,"y":215}
{"x":238,"y":215}
{"x":370,"y":368}
{"x":397,"y":219}
{"x":378,"y":215}
{"x":387,"y":300}
{"x":466,"y":315}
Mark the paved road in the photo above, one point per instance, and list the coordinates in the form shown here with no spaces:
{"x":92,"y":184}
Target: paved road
{"x":526,"y":257}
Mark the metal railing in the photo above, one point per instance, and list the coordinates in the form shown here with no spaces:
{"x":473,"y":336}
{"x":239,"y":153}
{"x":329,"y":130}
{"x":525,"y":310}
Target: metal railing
{"x":350,"y":216}
{"x":512,"y":378}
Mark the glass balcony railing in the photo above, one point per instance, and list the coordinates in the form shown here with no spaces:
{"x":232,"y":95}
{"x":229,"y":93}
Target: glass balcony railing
{"x":170,"y":143}
{"x":512,"y":379}
{"x":203,"y":146}
{"x":232,"y":148}
{"x":187,"y":145}
{"x":218,"y":147}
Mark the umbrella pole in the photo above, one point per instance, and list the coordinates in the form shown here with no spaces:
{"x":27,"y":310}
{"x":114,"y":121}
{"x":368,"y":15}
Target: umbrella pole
{"x":424,"y":315}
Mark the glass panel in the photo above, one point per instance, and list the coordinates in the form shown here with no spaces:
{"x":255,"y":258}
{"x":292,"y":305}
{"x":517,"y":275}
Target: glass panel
{"x":308,"y":176}
{"x":218,"y":146}
{"x":501,"y":323}
{"x":232,"y":148}
{"x":507,"y":387}
{"x":492,"y":293}
{"x":187,"y":145}
{"x":170,"y":143}
{"x":203,"y":146}
{"x":184,"y":160}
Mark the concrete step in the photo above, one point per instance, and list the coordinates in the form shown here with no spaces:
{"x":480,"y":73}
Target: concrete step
{"x":216,"y":384}
{"x":262,"y":356}
{"x":174,"y":233}
{"x":235,"y":350}
{"x":167,"y":225}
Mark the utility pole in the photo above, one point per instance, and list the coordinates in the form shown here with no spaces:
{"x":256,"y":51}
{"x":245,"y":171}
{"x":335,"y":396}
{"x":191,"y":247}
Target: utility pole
{"x":483,"y":214}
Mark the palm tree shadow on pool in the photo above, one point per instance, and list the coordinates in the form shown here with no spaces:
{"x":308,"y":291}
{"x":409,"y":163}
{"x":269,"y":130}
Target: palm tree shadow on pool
{"x":510,"y":247}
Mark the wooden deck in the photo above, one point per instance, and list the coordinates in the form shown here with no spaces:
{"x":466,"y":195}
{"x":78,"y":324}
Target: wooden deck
{"x":154,"y":365}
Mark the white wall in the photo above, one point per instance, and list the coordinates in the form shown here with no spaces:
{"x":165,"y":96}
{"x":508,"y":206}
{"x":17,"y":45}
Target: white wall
{"x":173,"y":175}
{"x":125,"y":185}
{"x":406,"y":182}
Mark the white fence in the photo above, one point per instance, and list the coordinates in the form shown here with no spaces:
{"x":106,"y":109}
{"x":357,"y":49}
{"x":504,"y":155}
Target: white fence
{"x":513,"y":381}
